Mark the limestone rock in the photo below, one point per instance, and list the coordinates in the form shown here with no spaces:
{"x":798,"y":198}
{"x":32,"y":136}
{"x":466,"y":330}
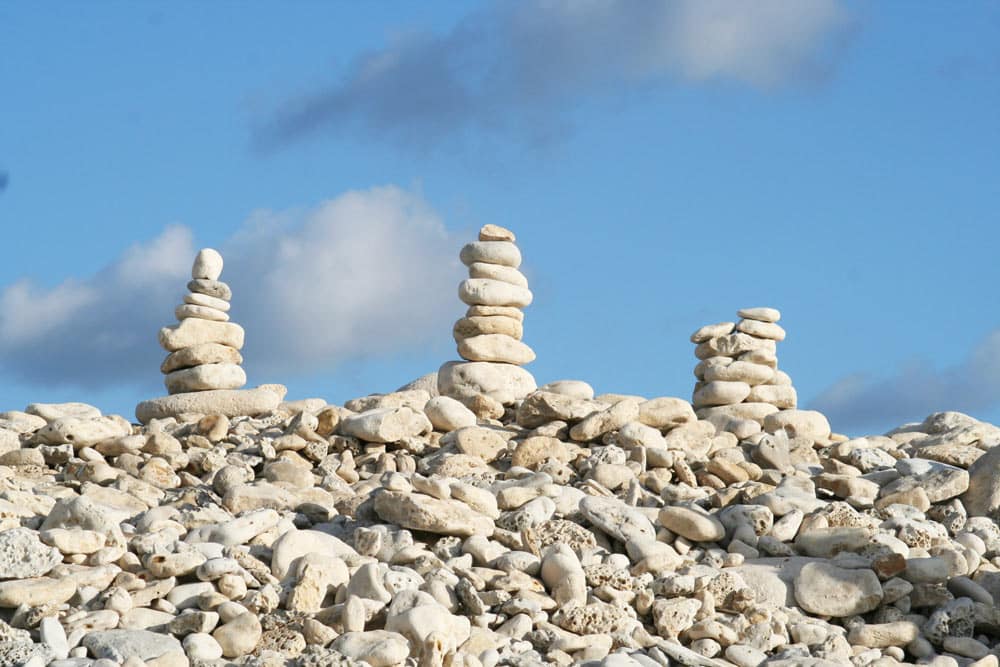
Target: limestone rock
{"x":417,"y":511}
{"x":205,"y":377}
{"x":498,"y":348}
{"x":23,"y":555}
{"x":194,"y":331}
{"x":386,"y":424}
{"x":207,"y":353}
{"x":505,"y":383}
{"x":828,"y":590}
{"x":228,"y":402}
{"x":487,"y":292}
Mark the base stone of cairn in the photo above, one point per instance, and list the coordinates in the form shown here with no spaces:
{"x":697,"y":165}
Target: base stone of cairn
{"x":489,"y":336}
{"x":202,"y":371}
{"x":740,"y":387}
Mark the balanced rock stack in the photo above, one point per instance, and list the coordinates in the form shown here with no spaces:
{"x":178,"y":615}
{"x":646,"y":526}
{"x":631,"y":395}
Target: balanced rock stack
{"x":205,"y":347}
{"x":202,"y":370}
{"x":489,"y":336}
{"x":738,"y":376}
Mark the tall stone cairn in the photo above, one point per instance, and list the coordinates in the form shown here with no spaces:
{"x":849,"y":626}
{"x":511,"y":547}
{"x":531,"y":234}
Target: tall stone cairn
{"x":205,"y":346}
{"x":738,"y":375}
{"x":489,"y":336}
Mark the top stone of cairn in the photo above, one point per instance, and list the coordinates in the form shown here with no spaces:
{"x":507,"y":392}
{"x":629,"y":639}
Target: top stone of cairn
{"x":207,"y":265}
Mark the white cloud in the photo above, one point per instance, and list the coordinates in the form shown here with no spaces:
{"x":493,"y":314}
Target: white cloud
{"x":368,"y":272}
{"x":859,"y":402}
{"x":523,"y":65}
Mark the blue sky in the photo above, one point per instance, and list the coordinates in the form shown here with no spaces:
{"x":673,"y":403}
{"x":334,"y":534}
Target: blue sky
{"x":661,"y":164}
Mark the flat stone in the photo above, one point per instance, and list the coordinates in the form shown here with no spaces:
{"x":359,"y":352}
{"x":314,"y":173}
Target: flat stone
{"x":52,"y":411}
{"x":504,"y":383}
{"x":692,"y":524}
{"x":541,"y":407}
{"x":228,"y":402}
{"x":194,"y":331}
{"x":187,"y":310}
{"x":205,"y":377}
{"x":762,"y":314}
{"x":417,"y":511}
{"x":36,"y":592}
{"x":23,"y":555}
{"x":498,"y":348}
{"x":468,"y":327}
{"x":757,"y":412}
{"x":492,"y":232}
{"x":505,"y":274}
{"x":617,"y":519}
{"x":760,"y":329}
{"x":710,"y":331}
{"x":491,"y":252}
{"x":828,"y":590}
{"x":732,"y":345}
{"x":486,"y":292}
{"x":207,"y":301}
{"x":739,"y":371}
{"x":206,"y":353}
{"x":120,"y":645}
{"x":666,"y":412}
{"x":495,"y":311}
{"x":213,"y":288}
{"x":82,"y":432}
{"x":207,"y":265}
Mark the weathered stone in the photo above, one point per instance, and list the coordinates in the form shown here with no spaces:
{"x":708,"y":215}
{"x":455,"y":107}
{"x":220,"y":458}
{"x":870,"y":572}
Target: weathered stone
{"x":228,"y":402}
{"x":193,"y":331}
{"x":828,"y":590}
{"x":505,"y":383}
{"x":504,"y":253}
{"x":23,"y":555}
{"x":206,"y":353}
{"x":205,"y":377}
{"x":433,"y":515}
{"x":487,"y":292}
{"x":498,"y":348}
{"x":386,"y":424}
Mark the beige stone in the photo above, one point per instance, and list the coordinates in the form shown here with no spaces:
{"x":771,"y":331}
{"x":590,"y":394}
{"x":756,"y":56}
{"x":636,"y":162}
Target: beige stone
{"x":710,"y":331}
{"x":497,"y":324}
{"x":760,"y":329}
{"x":692,"y":524}
{"x":207,"y":265}
{"x":499,"y":272}
{"x":487,"y":292}
{"x":205,"y":377}
{"x":497,"y":348}
{"x":491,"y":252}
{"x":721,"y":393}
{"x":187,"y":310}
{"x":762,"y":314}
{"x":193,"y":331}
{"x":228,"y":402}
{"x":504,"y":383}
{"x":206,"y":353}
{"x":492,"y":232}
{"x":433,"y":515}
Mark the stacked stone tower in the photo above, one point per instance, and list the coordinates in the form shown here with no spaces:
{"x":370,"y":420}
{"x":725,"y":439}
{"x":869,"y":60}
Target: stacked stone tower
{"x":204,"y":348}
{"x":202,"y":371}
{"x":738,"y":376}
{"x":489,"y":336}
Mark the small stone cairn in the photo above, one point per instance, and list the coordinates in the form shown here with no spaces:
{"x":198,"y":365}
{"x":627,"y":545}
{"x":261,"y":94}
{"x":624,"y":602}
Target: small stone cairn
{"x":489,"y":336}
{"x":202,"y":370}
{"x":204,"y":349}
{"x":738,"y":375}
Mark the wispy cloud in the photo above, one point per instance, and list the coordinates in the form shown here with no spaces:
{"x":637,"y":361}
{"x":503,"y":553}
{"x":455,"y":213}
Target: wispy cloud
{"x":859,"y":402}
{"x":517,"y":66}
{"x":368,"y":272}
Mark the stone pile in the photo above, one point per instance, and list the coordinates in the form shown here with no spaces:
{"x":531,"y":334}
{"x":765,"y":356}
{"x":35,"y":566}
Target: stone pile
{"x":399,"y":529}
{"x":202,"y":371}
{"x":489,"y":336}
{"x":204,"y":349}
{"x":739,"y":383}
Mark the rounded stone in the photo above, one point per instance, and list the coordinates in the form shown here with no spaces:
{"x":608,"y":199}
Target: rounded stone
{"x":207,"y":265}
{"x":825,"y":589}
{"x":491,"y":252}
{"x":205,"y":377}
{"x":692,"y":524}
{"x":497,"y":348}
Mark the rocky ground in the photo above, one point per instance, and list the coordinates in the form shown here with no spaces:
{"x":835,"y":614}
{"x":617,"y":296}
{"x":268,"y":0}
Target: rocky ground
{"x":400,"y":528}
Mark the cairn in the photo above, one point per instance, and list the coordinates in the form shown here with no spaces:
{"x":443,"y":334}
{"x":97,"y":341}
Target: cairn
{"x":738,"y":375}
{"x":204,"y":348}
{"x":202,"y":371}
{"x":489,"y":336}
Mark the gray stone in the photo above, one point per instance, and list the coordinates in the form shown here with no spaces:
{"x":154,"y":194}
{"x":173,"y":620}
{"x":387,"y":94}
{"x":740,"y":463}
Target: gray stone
{"x":22,"y":555}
